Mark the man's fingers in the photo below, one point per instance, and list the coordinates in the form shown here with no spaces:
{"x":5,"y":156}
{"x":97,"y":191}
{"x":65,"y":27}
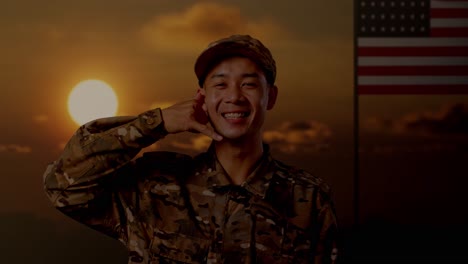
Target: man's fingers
{"x":200,"y":112}
{"x":209,"y":131}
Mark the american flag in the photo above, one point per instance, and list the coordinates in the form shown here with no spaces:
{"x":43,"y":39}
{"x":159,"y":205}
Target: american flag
{"x":411,"y":46}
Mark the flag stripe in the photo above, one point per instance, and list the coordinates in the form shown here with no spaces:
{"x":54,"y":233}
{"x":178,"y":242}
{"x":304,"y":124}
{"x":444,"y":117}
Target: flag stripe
{"x":413,"y":51}
{"x":448,"y":12}
{"x":412,"y":80}
{"x":449,"y":4}
{"x":412,"y":42}
{"x":411,"y":61}
{"x":449,"y":32}
{"x":412,"y":70}
{"x":412,"y":89}
{"x":449,"y":22}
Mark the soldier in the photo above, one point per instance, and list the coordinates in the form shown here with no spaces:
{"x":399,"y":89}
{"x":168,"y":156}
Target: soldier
{"x":231,"y":204}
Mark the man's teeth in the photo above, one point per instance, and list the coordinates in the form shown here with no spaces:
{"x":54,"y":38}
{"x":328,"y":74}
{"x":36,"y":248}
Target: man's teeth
{"x":235,"y":115}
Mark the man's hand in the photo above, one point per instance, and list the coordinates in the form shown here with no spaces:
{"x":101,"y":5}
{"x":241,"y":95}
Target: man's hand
{"x":189,"y":116}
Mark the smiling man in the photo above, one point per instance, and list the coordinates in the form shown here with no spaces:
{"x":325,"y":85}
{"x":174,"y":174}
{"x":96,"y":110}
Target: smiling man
{"x":231,"y":204}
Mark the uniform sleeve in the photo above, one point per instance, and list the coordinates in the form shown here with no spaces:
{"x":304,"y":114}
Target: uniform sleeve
{"x":326,"y":230}
{"x":94,"y":179}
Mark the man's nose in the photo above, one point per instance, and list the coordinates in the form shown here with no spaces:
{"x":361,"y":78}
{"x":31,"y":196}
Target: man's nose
{"x":233,"y":94}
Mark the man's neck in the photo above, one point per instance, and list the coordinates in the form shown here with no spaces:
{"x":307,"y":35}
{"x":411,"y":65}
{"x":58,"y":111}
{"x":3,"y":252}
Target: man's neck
{"x":239,"y":158}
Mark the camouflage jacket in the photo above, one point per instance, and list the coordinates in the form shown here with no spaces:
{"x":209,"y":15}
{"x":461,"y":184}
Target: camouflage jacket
{"x":171,"y":208}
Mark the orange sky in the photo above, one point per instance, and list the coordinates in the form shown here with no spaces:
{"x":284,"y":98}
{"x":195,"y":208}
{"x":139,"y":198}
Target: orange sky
{"x":146,"y":51}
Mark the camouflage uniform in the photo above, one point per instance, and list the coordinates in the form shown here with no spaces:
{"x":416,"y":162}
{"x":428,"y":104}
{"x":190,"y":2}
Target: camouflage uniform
{"x":171,"y":208}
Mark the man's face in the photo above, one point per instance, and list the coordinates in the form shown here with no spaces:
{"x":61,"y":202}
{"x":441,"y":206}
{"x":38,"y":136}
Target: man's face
{"x":237,"y":97}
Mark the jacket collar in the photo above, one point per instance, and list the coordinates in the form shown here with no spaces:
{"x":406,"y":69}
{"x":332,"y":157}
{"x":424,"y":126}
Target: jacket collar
{"x":256,"y":183}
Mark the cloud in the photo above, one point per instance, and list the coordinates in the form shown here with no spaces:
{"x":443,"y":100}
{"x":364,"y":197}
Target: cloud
{"x":192,"y":29}
{"x":294,"y":136}
{"x":15,"y":148}
{"x":449,"y":120}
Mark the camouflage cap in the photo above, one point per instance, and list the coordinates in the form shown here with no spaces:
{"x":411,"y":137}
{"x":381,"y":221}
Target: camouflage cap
{"x":235,"y":45}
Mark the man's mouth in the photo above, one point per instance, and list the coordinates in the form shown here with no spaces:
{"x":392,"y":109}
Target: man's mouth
{"x":235,"y":115}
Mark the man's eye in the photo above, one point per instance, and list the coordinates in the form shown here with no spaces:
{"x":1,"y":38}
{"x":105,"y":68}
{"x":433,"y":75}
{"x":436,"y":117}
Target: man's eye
{"x":249,"y":84}
{"x":220,"y":85}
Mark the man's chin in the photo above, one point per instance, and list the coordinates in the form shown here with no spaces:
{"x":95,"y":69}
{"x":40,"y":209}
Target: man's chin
{"x":233,"y":135}
{"x":229,"y":131}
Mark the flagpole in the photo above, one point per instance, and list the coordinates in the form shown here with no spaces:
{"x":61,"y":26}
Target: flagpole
{"x":356,"y":122}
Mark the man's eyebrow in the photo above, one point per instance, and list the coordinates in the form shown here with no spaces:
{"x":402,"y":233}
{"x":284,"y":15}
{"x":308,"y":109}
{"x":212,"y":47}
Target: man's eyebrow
{"x":218,"y":75}
{"x":254,"y":75}
{"x":245,"y":75}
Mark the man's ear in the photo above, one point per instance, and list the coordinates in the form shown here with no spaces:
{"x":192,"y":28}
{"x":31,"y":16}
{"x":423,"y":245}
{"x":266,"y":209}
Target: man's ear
{"x":272,"y":95}
{"x":202,"y":91}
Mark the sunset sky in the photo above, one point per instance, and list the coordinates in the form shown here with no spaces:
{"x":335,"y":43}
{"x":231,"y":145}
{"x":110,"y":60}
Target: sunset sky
{"x":413,"y":148}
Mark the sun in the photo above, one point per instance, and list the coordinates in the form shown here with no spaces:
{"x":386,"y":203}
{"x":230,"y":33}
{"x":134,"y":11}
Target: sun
{"x":91,"y":99}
